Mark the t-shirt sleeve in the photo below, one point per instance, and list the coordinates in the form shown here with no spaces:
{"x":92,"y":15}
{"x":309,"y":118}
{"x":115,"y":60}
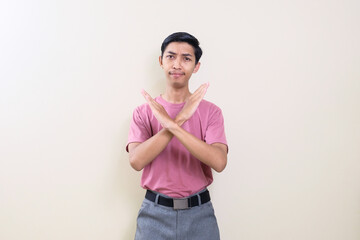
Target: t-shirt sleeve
{"x":140,"y":129}
{"x":215,"y":132}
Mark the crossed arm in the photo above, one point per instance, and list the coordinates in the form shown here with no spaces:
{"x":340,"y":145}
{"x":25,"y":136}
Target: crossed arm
{"x":140,"y":154}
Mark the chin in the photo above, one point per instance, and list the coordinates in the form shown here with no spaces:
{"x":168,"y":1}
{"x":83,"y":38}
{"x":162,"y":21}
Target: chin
{"x":177,"y":84}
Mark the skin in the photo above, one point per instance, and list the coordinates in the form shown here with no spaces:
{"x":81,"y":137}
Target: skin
{"x":178,"y":63}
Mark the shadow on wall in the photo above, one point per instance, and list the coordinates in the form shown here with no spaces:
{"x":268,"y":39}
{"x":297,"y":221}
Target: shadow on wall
{"x":129,"y":190}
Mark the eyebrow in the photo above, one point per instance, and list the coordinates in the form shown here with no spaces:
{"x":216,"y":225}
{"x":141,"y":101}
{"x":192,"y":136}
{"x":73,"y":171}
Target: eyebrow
{"x":185,"y":54}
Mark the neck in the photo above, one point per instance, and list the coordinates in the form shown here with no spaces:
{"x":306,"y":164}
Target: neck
{"x":176,"y":95}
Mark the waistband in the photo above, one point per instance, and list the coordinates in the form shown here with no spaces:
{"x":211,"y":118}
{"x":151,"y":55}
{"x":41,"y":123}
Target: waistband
{"x":179,"y":203}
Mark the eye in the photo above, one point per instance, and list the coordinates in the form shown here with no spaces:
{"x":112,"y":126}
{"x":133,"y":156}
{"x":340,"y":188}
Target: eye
{"x":187,"y":59}
{"x":170,"y":56}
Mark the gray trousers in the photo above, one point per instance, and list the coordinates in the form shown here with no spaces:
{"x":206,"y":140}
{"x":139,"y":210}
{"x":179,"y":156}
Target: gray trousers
{"x":157,"y":222}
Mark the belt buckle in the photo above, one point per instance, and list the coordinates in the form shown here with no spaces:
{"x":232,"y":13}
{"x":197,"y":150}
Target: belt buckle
{"x":180,"y":204}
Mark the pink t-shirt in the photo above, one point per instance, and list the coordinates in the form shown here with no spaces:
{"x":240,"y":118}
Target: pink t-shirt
{"x":175,"y":172}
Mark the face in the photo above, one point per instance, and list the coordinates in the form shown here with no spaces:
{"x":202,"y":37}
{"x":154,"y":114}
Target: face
{"x":178,"y":62}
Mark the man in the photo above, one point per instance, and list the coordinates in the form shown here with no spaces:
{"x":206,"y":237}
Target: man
{"x":177,"y":138}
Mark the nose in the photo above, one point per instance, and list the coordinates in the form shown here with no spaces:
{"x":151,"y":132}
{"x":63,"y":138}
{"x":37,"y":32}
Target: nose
{"x":177,"y":64}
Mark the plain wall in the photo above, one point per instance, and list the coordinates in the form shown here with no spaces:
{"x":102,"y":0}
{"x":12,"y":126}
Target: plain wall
{"x":285,"y":73}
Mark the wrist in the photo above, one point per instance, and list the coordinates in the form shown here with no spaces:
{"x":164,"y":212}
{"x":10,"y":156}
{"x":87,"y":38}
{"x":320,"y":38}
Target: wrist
{"x":171,"y":124}
{"x":173,"y":127}
{"x":179,"y":120}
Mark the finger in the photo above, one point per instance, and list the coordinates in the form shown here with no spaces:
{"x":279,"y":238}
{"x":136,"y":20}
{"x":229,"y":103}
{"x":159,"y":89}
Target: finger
{"x":204,"y":92}
{"x":199,"y":89}
{"x":155,"y":106}
{"x":206,"y":86}
{"x":203,"y":88}
{"x":200,"y":92}
{"x":147,"y":96}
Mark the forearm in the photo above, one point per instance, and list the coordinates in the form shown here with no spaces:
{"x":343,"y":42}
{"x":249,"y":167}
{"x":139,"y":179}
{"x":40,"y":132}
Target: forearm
{"x":211,"y":155}
{"x":143,"y":153}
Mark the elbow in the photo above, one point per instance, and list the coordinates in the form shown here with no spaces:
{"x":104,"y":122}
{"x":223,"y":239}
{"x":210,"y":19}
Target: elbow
{"x":219,"y":159}
{"x":135,"y":164}
{"x":221,"y":166}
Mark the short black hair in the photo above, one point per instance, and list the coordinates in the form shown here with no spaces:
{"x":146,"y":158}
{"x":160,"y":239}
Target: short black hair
{"x":183,"y":37}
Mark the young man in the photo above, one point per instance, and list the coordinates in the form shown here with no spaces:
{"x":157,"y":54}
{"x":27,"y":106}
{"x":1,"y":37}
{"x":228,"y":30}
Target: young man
{"x":177,"y":138}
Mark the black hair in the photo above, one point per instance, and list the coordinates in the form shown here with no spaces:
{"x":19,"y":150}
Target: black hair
{"x":183,"y":37}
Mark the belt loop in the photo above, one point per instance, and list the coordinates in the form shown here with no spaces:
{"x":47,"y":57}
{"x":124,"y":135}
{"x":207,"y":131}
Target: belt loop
{"x":199,"y":198}
{"x":157,"y":199}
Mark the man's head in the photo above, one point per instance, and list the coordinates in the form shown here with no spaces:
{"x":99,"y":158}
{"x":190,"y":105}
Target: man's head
{"x":180,"y":54}
{"x":183,"y":37}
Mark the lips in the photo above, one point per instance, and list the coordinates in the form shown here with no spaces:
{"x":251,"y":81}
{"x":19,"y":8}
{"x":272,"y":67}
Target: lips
{"x":177,"y":73}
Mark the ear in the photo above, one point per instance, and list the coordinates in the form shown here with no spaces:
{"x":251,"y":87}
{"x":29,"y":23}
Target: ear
{"x":197,"y":66}
{"x":160,"y":61}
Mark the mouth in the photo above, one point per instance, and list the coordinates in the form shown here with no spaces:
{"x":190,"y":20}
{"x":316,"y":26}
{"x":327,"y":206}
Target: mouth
{"x":177,"y":74}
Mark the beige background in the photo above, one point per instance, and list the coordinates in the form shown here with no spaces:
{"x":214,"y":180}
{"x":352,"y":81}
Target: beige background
{"x":285,"y":73}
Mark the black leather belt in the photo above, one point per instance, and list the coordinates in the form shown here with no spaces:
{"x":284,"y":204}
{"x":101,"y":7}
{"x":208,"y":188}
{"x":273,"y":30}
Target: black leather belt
{"x":179,"y":203}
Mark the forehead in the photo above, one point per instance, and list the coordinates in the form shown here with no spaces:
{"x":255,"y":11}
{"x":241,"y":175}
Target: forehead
{"x":180,"y":48}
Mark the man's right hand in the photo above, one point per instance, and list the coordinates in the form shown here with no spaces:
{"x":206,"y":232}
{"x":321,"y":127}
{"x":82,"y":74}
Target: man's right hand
{"x":191,"y":104}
